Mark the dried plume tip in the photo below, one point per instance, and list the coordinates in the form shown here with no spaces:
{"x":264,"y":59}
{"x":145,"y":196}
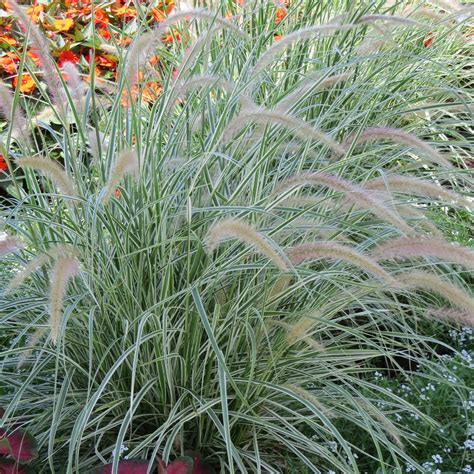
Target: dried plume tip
{"x":52,"y":253}
{"x":9,"y":243}
{"x":431,"y":282}
{"x":330,"y":250}
{"x":358,"y":195}
{"x":237,"y":229}
{"x":398,"y":136}
{"x":268,"y":117}
{"x":64,"y":269}
{"x":126,"y":163}
{"x":411,"y":247}
{"x":52,"y":170}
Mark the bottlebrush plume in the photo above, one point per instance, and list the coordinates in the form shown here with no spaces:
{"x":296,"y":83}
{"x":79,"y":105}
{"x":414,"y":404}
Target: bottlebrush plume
{"x":398,"y":136}
{"x":51,"y":254}
{"x":411,"y":247}
{"x":307,"y":85}
{"x":268,"y":117}
{"x":196,"y":82}
{"x":391,"y":19}
{"x":308,"y":396}
{"x":298,"y":35}
{"x":64,"y":269}
{"x":35,"y":338}
{"x":331,"y":250}
{"x":38,"y":42}
{"x":9,"y":111}
{"x":126,"y":163}
{"x":8,"y":243}
{"x":417,"y":187}
{"x":431,"y":282}
{"x":452,"y":315}
{"x":237,"y":229}
{"x":76,"y":85}
{"x":358,"y":195}
{"x":52,"y":170}
{"x":391,"y":429}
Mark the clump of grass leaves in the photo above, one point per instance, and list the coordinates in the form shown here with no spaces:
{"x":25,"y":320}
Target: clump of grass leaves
{"x":254,"y":357}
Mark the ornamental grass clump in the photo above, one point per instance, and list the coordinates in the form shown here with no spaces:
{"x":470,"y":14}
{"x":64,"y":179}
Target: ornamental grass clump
{"x":189,"y":309}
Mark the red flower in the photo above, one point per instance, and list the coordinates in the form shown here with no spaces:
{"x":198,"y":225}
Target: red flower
{"x":428,"y":39}
{"x":67,"y":57}
{"x":3,"y":163}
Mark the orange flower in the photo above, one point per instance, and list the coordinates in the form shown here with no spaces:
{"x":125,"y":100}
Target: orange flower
{"x":35,"y":11}
{"x":8,"y":40}
{"x":27,"y":83}
{"x":277,"y":37}
{"x":63,"y":24}
{"x":104,"y":32}
{"x":125,"y":99}
{"x":280,"y":14}
{"x":67,"y":57}
{"x":8,"y":63}
{"x":125,"y":12}
{"x":168,"y":38}
{"x":34,"y":57}
{"x":3,"y":163}
{"x":151,"y":91}
{"x":123,"y":41}
{"x":106,"y":62}
{"x":117,"y":193}
{"x":158,"y":15}
{"x":100,"y":17}
{"x":153,"y":59}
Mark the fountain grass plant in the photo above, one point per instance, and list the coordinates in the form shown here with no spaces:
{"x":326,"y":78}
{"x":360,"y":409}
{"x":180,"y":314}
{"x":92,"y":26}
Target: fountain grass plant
{"x":179,"y":300}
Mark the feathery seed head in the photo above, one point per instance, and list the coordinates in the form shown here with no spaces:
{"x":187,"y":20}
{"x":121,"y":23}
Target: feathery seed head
{"x":40,"y":45}
{"x":237,"y":229}
{"x":358,"y":195}
{"x":126,"y":164}
{"x":274,"y":117}
{"x":412,"y":247}
{"x":399,"y":136}
{"x":334,"y":251}
{"x":9,"y":243}
{"x":298,"y":35}
{"x":64,"y":269}
{"x":417,"y":187}
{"x":52,"y":170}
{"x":431,"y":282}
{"x":53,"y":253}
{"x":7,"y":110}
